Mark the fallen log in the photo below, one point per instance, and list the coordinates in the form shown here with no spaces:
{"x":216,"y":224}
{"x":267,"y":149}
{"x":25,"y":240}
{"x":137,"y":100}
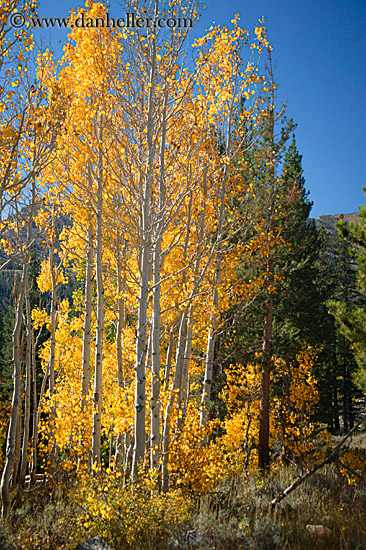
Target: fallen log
{"x":331,"y":458}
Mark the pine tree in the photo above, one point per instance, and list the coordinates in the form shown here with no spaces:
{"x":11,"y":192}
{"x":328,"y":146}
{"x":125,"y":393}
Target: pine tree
{"x":295,"y":301}
{"x":349,"y":311}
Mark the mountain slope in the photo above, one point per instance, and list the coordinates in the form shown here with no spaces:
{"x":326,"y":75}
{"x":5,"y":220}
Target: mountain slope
{"x":329,"y":221}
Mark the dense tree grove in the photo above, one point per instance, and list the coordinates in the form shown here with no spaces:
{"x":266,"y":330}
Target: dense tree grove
{"x":169,"y":310}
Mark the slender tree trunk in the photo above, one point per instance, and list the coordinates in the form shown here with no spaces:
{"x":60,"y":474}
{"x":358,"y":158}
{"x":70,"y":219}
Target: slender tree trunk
{"x":207,"y":381}
{"x":52,"y":267}
{"x":157,"y":266}
{"x":121,"y":305}
{"x":27,"y":389}
{"x":183,"y":365}
{"x":140,"y":389}
{"x":35,"y":411}
{"x":263,"y":447}
{"x":177,"y":382}
{"x":85,"y":380}
{"x":185,"y":371}
{"x":169,"y":356}
{"x":121,"y":324}
{"x":37,"y":418}
{"x":286,"y":408}
{"x":127,"y":468}
{"x":98,"y":383}
{"x":166,"y":419}
{"x":51,"y":360}
{"x":11,"y":442}
{"x":155,"y":371}
{"x":18,"y":439}
{"x":264,"y":407}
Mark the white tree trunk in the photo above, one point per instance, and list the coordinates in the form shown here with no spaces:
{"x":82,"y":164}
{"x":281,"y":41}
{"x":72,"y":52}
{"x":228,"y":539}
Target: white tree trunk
{"x":98,"y":383}
{"x":11,"y":441}
{"x":140,"y":390}
{"x":207,"y":381}
{"x":27,"y":388}
{"x":177,"y":382}
{"x":157,"y":267}
{"x":35,"y":415}
{"x":85,"y":381}
{"x":186,"y":358}
{"x":52,"y":268}
{"x":155,"y":370}
{"x":121,"y":324}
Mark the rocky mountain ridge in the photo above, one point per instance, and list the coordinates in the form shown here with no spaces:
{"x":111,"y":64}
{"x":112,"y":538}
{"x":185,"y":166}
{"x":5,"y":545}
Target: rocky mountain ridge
{"x":329,"y":221}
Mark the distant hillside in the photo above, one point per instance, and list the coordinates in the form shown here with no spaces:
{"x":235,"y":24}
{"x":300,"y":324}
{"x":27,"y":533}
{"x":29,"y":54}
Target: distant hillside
{"x":329,"y":221}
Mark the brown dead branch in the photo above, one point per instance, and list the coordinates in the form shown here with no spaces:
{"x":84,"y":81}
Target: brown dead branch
{"x":331,"y":458}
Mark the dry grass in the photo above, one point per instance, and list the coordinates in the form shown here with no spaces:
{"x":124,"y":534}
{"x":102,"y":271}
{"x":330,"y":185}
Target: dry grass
{"x":235,"y":516}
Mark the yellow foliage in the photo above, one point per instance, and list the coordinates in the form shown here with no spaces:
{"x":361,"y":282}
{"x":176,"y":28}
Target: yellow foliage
{"x":44,"y":280}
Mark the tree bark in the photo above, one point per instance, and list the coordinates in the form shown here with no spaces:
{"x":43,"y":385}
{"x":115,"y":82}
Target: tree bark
{"x":121,"y":324}
{"x":11,"y":442}
{"x":286,"y":408}
{"x":207,"y":381}
{"x":156,"y":324}
{"x":140,"y":390}
{"x":98,"y":382}
{"x":51,"y":360}
{"x":52,"y":267}
{"x":263,"y":447}
{"x":85,"y":380}
{"x":27,"y":388}
{"x":176,"y":385}
{"x":35,"y":411}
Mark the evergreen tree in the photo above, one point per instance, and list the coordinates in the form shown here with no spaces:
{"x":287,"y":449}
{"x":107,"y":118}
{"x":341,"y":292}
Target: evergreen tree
{"x":351,"y":314}
{"x":336,"y":280}
{"x":297,"y":299}
{"x":296,"y":302}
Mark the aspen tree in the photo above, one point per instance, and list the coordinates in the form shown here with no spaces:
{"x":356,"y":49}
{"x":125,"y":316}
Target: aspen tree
{"x":13,"y":437}
{"x":154,"y":65}
{"x":11,"y":441}
{"x":15,"y":45}
{"x":37,"y":147}
{"x":142,"y":165}
{"x":53,"y":274}
{"x":225,"y":55}
{"x":27,"y":387}
{"x":156,"y":325}
{"x":87,"y":327}
{"x":80,"y":181}
{"x":98,"y":387}
{"x":121,"y":325}
{"x":32,"y":131}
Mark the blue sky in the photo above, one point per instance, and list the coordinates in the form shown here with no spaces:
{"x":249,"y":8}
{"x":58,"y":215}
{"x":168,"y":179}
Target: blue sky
{"x":320,"y":49}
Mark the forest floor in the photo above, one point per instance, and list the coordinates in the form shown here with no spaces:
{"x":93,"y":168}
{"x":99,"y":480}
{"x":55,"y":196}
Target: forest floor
{"x":358,"y":441}
{"x":237,"y":515}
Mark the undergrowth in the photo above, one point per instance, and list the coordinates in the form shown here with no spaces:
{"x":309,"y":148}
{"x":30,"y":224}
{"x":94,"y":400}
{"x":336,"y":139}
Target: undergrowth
{"x":236,"y":515}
